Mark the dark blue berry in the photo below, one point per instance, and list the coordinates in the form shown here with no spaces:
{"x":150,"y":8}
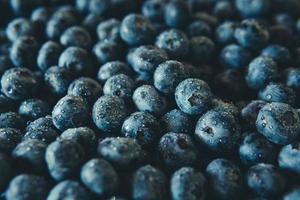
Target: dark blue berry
{"x":177,"y":13}
{"x":9,"y":138}
{"x":42,"y":122}
{"x":253,"y":8}
{"x":198,"y":28}
{"x":109,"y":30}
{"x":34,"y":108}
{"x":112,"y":68}
{"x":289,"y":157}
{"x":292,"y":195}
{"x":293,"y":78}
{"x":177,"y":121}
{"x":225,"y":32}
{"x":6,"y":171}
{"x":76,"y":36}
{"x":154,"y":10}
{"x":278,"y":53}
{"x":250,"y":111}
{"x":19,"y":27}
{"x":48,"y":55}
{"x":100,"y":7}
{"x":235,"y":56}
{"x":45,"y":134}
{"x":106,"y":51}
{"x":12,"y":120}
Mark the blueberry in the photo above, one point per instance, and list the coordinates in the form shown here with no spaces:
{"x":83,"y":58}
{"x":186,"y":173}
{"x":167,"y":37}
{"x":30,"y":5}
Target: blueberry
{"x":261,"y":70}
{"x":85,"y":136}
{"x":187,"y":183}
{"x":34,"y":108}
{"x":201,"y":49}
{"x":12,"y":120}
{"x":174,"y":42}
{"x":69,"y":189}
{"x":57,"y":80}
{"x":109,"y":112}
{"x":256,"y":149}
{"x":106,"y":51}
{"x":149,"y":183}
{"x":70,"y":112}
{"x":277,"y":92}
{"x":289,"y":157}
{"x":177,"y":150}
{"x":119,"y":85}
{"x":235,"y":56}
{"x":82,"y":5}
{"x":5,"y":64}
{"x":154,"y":10}
{"x":29,"y":155}
{"x":143,"y":127}
{"x":48,"y":55}
{"x":45,"y":134}
{"x":253,"y":8}
{"x":9,"y":138}
{"x":293,"y":78}
{"x":77,"y":60}
{"x":198,"y":28}
{"x":225,"y":179}
{"x":100,"y":7}
{"x":21,"y":7}
{"x":177,"y":13}
{"x":19,"y":27}
{"x":42,"y":122}
{"x":177,"y":121}
{"x":224,"y":10}
{"x":19,"y":54}
{"x":90,"y":23}
{"x":27,"y":187}
{"x":87,"y":88}
{"x":109,"y":30}
{"x":6,"y":170}
{"x":122,"y":152}
{"x":145,"y":59}
{"x":225,"y":32}
{"x":99,"y":177}
{"x":76,"y":36}
{"x":63,"y":158}
{"x":41,"y":15}
{"x":251,"y":34}
{"x":193,"y":96}
{"x":278,"y":53}
{"x":278,"y":122}
{"x":146,"y":98}
{"x":112,"y":68}
{"x":250,"y":111}
{"x":292,"y":195}
{"x":227,"y":107}
{"x":219,"y":131}
{"x":265,"y":180}
{"x":136,"y":30}
{"x":285,"y":19}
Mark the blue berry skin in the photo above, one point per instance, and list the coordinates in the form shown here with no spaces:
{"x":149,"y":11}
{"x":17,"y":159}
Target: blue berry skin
{"x":9,"y":138}
{"x":99,"y":177}
{"x":29,"y":155}
{"x":193,"y":96}
{"x":277,"y":92}
{"x":21,"y":7}
{"x":285,"y":19}
{"x":174,"y":42}
{"x":261,"y":70}
{"x":225,"y":33}
{"x":293,"y":78}
{"x":149,"y":183}
{"x":177,"y":121}
{"x":235,"y":57}
{"x":106,"y":51}
{"x":145,"y":59}
{"x":289,"y":157}
{"x":70,"y":112}
{"x":57,"y":80}
{"x":90,"y":22}
{"x":48,"y":55}
{"x":219,"y":131}
{"x":69,"y":189}
{"x":279,"y":123}
{"x":224,"y":10}
{"x":42,"y":122}
{"x":6,"y":171}
{"x":187,"y":183}
{"x":253,"y":8}
{"x":143,"y":127}
{"x":265,"y":180}
{"x":147,"y":99}
{"x":168,"y":75}
{"x":27,"y":187}
{"x":228,"y":107}
{"x":34,"y":108}
{"x":85,"y":136}
{"x":19,"y":54}
{"x":250,"y":34}
{"x":76,"y":36}
{"x":5,"y":64}
{"x":201,"y":49}
{"x":77,"y":60}
{"x":292,"y":195}
{"x":112,"y":68}
{"x":136,"y":30}
{"x":256,"y":149}
{"x":63,"y":158}
{"x":109,"y":112}
{"x":177,"y":13}
{"x":19,"y":27}
{"x":100,"y":7}
{"x":225,"y":179}
{"x":154,"y":10}
{"x":109,"y":30}
{"x":177,"y":150}
{"x":250,"y":111}
{"x":278,"y":53}
{"x":45,"y":134}
{"x":41,"y":15}
{"x":86,"y":88}
{"x":198,"y":28}
{"x":122,"y":152}
{"x":12,"y":120}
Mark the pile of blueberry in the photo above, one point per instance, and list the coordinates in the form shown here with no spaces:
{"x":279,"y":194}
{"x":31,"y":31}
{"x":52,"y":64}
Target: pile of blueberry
{"x":150,"y":99}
